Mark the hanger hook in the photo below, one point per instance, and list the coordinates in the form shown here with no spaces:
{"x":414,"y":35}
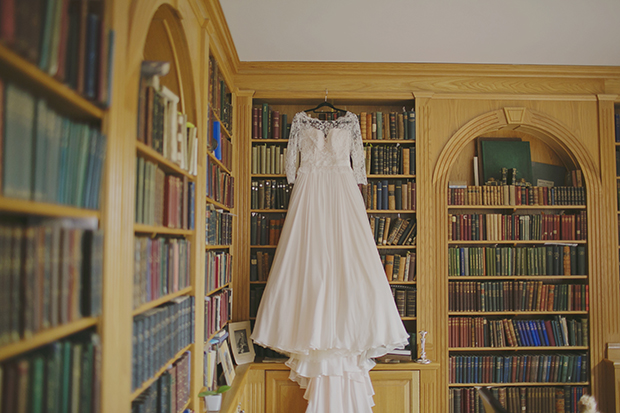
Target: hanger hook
{"x":325,"y":95}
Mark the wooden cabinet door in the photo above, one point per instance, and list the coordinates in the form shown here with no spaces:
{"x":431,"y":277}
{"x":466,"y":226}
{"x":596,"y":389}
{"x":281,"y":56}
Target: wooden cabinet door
{"x":395,"y":391}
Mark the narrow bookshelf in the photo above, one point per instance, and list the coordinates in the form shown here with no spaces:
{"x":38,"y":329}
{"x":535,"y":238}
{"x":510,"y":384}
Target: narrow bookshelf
{"x":53,"y":109}
{"x":167,"y":255}
{"x":518,"y":293}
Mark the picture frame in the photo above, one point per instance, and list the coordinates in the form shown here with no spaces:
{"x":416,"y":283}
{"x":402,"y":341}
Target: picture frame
{"x":223,"y":353}
{"x":241,"y":343}
{"x":497,"y":153}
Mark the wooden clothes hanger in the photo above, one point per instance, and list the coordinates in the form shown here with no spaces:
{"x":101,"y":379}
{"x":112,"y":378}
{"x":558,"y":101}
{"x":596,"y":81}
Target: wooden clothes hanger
{"x":326,"y":104}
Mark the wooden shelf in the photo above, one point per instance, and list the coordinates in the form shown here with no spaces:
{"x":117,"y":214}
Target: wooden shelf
{"x":583,"y":383}
{"x":263,"y":246}
{"x":403,"y":282}
{"x":408,"y":318}
{"x":468,"y":313}
{"x":517,"y":277}
{"x":218,"y":289}
{"x":166,"y":164}
{"x":268,"y":175}
{"x":217,"y":118}
{"x":45,"y":337}
{"x":153,"y":379}
{"x":19,"y":206}
{"x":517,"y":348}
{"x":35,"y":79}
{"x":517,"y":207}
{"x":161,"y":300}
{"x":269,"y":140}
{"x":391,"y":211}
{"x":518,"y":242}
{"x":258,"y":282}
{"x":213,"y":335}
{"x":216,"y":247}
{"x":392,"y":247}
{"x":369,"y":176}
{"x":218,"y":204}
{"x":218,"y":162}
{"x":266,"y":211}
{"x":152,"y":229}
{"x":389,"y":141}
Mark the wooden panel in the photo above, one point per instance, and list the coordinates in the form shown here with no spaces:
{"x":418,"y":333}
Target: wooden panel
{"x":396,"y":391}
{"x":283,"y":395}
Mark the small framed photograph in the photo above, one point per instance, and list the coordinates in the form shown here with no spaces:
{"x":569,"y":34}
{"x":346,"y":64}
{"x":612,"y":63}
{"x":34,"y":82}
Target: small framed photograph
{"x":242,"y":347}
{"x":223,"y":353}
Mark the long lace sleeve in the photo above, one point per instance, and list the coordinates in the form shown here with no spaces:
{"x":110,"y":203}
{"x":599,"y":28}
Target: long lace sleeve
{"x":357,"y":153}
{"x":292,"y":150}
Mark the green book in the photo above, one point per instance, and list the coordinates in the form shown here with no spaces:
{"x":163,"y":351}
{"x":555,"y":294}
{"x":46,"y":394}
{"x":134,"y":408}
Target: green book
{"x":37,"y":367}
{"x":40,"y":151}
{"x":76,"y":377}
{"x":82,"y":164}
{"x":65,"y":386}
{"x":140,"y":191}
{"x":53,"y":378}
{"x":54,"y":133}
{"x":86,"y":384}
{"x":379,"y":125}
{"x":18,"y":142}
{"x":581,"y":260}
{"x":265,"y":122}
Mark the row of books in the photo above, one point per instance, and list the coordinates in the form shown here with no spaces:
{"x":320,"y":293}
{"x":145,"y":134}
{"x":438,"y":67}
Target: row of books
{"x":218,"y":310}
{"x":503,"y":195}
{"x":163,"y":200}
{"x":483,"y":332}
{"x":220,"y":96}
{"x":389,"y":160}
{"x":389,"y":125}
{"x":218,"y":226}
{"x":534,"y":260}
{"x":527,"y":368}
{"x":399,"y":267}
{"x":405,"y":298}
{"x":517,"y":296}
{"x":69,"y":41}
{"x":60,"y":377}
{"x":218,"y":269}
{"x":170,"y":393}
{"x":498,"y":227}
{"x":268,"y":159}
{"x":390,"y":195}
{"x":256,"y":294}
{"x":220,"y":185}
{"x":270,"y":194}
{"x":161,"y":267}
{"x":51,"y":275}
{"x":220,"y":146}
{"x":260,"y":265}
{"x":160,"y":125}
{"x":563,"y":399}
{"x":158,"y":335}
{"x":264,"y":230}
{"x":47,"y":157}
{"x":393,"y":231}
{"x":269,"y":124}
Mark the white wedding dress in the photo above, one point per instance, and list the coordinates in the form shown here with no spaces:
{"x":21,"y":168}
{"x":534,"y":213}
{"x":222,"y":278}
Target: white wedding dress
{"x":327,"y":304}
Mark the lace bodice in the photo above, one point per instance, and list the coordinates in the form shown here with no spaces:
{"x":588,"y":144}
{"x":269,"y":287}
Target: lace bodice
{"x":325,"y":144}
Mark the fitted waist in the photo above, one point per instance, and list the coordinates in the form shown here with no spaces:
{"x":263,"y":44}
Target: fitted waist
{"x":332,"y":168}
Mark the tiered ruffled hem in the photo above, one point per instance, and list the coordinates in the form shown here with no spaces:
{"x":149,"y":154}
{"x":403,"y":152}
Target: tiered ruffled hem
{"x":336,"y":380}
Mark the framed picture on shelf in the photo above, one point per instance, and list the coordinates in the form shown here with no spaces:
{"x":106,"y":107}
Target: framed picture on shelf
{"x":223,"y":353}
{"x":242,"y":347}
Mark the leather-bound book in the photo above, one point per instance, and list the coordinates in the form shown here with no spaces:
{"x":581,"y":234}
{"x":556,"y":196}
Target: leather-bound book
{"x":391,"y":197}
{"x":275,"y":124}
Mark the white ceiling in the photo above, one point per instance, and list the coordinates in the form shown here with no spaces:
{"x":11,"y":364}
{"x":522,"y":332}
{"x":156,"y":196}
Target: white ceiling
{"x":563,"y":32}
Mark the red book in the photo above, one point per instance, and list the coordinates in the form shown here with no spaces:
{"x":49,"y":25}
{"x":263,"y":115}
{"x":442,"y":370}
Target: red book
{"x":7,"y":21}
{"x":255,"y":123}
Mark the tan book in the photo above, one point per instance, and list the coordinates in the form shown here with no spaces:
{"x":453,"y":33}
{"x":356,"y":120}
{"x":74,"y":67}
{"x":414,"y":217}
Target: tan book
{"x":402,"y":267}
{"x":406,"y":161}
{"x":389,"y":266}
{"x":391,"y":197}
{"x":386,"y":230}
{"x":363,"y":124}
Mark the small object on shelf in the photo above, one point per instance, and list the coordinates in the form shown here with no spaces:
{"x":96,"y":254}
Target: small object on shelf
{"x":423,"y":359}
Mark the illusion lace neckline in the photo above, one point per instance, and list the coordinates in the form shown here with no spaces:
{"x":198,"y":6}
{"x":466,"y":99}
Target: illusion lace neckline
{"x":308,"y":117}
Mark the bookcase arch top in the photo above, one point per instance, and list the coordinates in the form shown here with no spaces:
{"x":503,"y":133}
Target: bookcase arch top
{"x":158,"y":32}
{"x":534,"y":123}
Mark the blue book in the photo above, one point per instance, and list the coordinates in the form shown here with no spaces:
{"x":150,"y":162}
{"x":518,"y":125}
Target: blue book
{"x":18,"y":148}
{"x":40,"y":152}
{"x":535,"y":336}
{"x":379,"y":195}
{"x":217,"y":136}
{"x":101,"y":151}
{"x":543,"y":330}
{"x":384,"y":185}
{"x":46,"y":36}
{"x":54,"y":122}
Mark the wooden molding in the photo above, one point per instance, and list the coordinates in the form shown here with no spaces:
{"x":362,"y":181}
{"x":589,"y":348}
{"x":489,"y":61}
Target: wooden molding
{"x":514,"y":116}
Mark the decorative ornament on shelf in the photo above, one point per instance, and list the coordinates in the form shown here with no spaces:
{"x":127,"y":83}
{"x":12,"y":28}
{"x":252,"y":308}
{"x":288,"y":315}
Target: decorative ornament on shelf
{"x":423,"y":359}
{"x":213,"y":399}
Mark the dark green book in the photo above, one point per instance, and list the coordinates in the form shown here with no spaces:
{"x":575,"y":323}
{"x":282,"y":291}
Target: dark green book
{"x":53,"y":378}
{"x":86,"y":385}
{"x":265,"y":121}
{"x":581,"y":260}
{"x":411,"y":133}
